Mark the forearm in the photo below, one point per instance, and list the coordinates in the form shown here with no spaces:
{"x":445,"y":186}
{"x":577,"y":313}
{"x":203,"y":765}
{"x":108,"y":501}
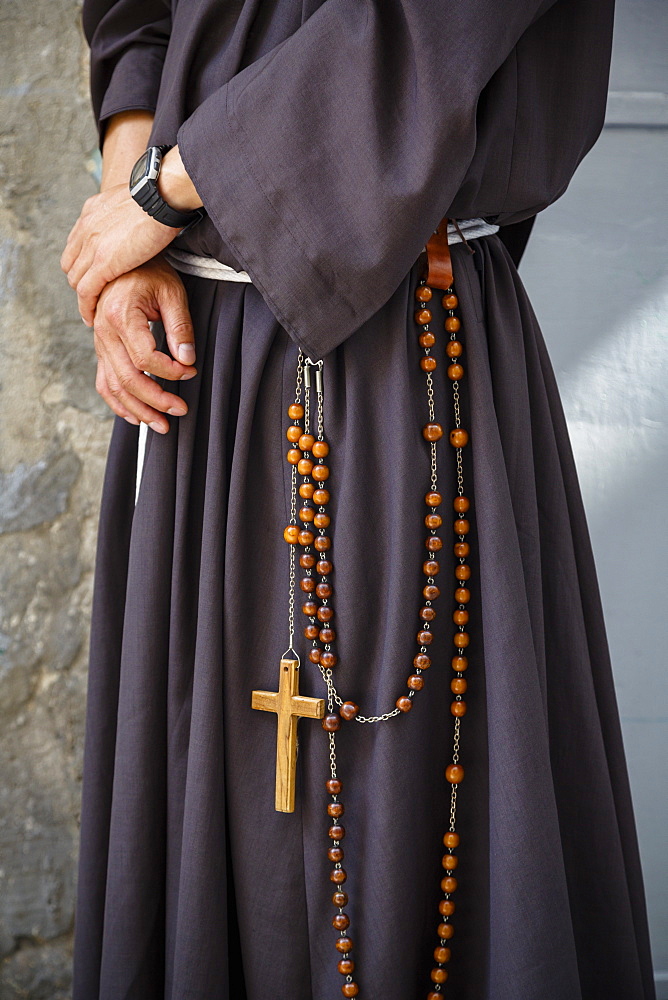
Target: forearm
{"x":125,"y":140}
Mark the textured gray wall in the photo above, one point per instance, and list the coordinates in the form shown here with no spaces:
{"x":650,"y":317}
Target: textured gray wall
{"x":594,"y":270}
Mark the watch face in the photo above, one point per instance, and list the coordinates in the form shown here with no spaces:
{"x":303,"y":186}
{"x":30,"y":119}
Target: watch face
{"x":139,"y":169}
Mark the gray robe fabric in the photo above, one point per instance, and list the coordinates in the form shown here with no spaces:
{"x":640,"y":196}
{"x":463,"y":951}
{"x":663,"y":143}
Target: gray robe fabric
{"x":327,"y":141}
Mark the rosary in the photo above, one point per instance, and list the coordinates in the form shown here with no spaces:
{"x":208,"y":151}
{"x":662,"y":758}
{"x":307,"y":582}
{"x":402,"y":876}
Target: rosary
{"x":306,"y":456}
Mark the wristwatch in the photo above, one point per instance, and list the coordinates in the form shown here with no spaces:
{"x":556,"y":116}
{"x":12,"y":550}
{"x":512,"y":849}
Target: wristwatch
{"x":144,"y":190}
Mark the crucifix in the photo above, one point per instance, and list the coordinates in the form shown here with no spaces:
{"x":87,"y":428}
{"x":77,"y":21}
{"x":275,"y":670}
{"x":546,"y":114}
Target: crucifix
{"x":289,"y":706}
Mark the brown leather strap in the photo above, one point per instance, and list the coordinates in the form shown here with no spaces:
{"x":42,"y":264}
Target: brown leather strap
{"x":439,"y":274}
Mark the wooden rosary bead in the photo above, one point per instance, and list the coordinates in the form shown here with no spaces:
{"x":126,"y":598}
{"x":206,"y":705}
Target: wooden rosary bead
{"x":433,"y":995}
{"x":445,"y":931}
{"x":427,"y":339}
{"x":320,"y":472}
{"x":293,"y":433}
{"x":336,"y":831}
{"x":311,"y":632}
{"x":461,"y":504}
{"x":327,"y":635}
{"x":453,"y":349}
{"x":325,"y":612}
{"x":434,"y":543}
{"x":458,"y":685}
{"x":328,"y":660}
{"x":423,"y":293}
{"x":454,"y":773}
{"x":432,"y":431}
{"x":433,"y":498}
{"x":439,"y":975}
{"x":350,"y":989}
{"x":306,"y":514}
{"x":462,"y":639}
{"x":304,"y":466}
{"x":338,"y":876}
{"x":335,"y":809}
{"x":428,"y":363}
{"x":461,"y":526}
{"x":463,"y":572}
{"x":306,"y":560}
{"x":455,"y":372}
{"x":340,"y":921}
{"x":446,"y":907}
{"x":404,"y":703}
{"x":306,"y":490}
{"x":423,"y":316}
{"x":431,"y":591}
{"x":459,"y":663}
{"x":461,"y":549}
{"x":306,"y":537}
{"x":291,"y":534}
{"x":421,"y":661}
{"x":293,"y":455}
{"x":324,"y":567}
{"x":309,"y":608}
{"x":307,"y":583}
{"x":433,"y":520}
{"x":451,"y":839}
{"x":459,"y":617}
{"x":427,"y":613}
{"x":458,"y":708}
{"x":320,"y":449}
{"x":323,"y":590}
{"x":335,"y":854}
{"x":430,"y":567}
{"x":331,"y":722}
{"x":346,"y":966}
{"x":334,"y":786}
{"x":344,"y":944}
{"x":340,"y":898}
{"x":314,"y":655}
{"x":450,"y":301}
{"x":442,"y":954}
{"x":321,"y":496}
{"x":321,"y":520}
{"x":349,"y":710}
{"x":449,"y":861}
{"x":295,"y":411}
{"x":424,"y":637}
{"x":452,"y":324}
{"x":322,"y":543}
{"x":459,"y":437}
{"x":448,"y":883}
{"x":415,"y":682}
{"x":306,"y":442}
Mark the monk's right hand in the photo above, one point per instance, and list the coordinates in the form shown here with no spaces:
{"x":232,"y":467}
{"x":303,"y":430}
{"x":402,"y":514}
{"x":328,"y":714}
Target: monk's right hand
{"x":126,"y":348}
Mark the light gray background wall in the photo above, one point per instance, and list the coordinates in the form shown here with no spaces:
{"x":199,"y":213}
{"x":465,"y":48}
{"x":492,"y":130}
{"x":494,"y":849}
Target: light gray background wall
{"x":595,"y":269}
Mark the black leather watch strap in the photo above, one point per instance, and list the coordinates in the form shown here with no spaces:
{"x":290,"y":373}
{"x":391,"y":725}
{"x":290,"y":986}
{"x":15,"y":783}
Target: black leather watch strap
{"x":146,"y":195}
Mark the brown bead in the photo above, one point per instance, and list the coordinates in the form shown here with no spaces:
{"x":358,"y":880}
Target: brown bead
{"x":459,"y":617}
{"x":314,"y":655}
{"x":295,"y":411}
{"x":306,"y":514}
{"x":462,"y":595}
{"x":346,"y":966}
{"x":323,"y":590}
{"x":459,"y":437}
{"x":306,"y":442}
{"x":321,"y":497}
{"x":336,"y":831}
{"x":430,"y":567}
{"x":424,"y":637}
{"x":459,"y":663}
{"x":433,"y":521}
{"x":325,"y":612}
{"x":307,"y":583}
{"x":452,"y":324}
{"x":427,"y":339}
{"x":293,"y":433}
{"x":320,"y":449}
{"x":306,"y":490}
{"x":458,"y":685}
{"x":309,"y":608}
{"x":453,"y":349}
{"x":451,"y":839}
{"x":432,"y":431}
{"x":463,"y":572}
{"x":340,"y":898}
{"x":349,"y":710}
{"x":415,"y":682}
{"x":328,"y":659}
{"x":433,"y":498}
{"x":461,"y":504}
{"x":327,"y":635}
{"x":331,"y":722}
{"x":404,"y":703}
{"x":421,"y":661}
{"x":306,"y":537}
{"x":423,"y":293}
{"x":450,"y":301}
{"x":338,"y":875}
{"x":458,"y":708}
{"x":427,"y":613}
{"x":428,"y":363}
{"x":441,"y":953}
{"x":335,"y":809}
{"x":340,"y":921}
{"x":335,"y":854}
{"x":320,"y":472}
{"x":455,"y":371}
{"x":321,"y":520}
{"x":293,"y":455}
{"x":461,"y":526}
{"x":446,"y":907}
{"x":433,"y":995}
{"x":324,"y":567}
{"x":461,"y":639}
{"x":423,"y":316}
{"x":434,"y":543}
{"x":454,"y":773}
{"x":448,"y":883}
{"x":304,"y":466}
{"x":430,"y":591}
{"x":311,"y":632}
{"x":306,"y":560}
{"x":344,"y":944}
{"x":291,"y":534}
{"x":445,"y":931}
{"x":449,"y":861}
{"x":439,"y":975}
{"x":350,"y":989}
{"x":334,"y":786}
{"x":322,"y":543}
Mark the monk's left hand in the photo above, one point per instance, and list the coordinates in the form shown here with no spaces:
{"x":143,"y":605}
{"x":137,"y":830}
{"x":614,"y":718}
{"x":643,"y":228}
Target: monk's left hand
{"x":112,"y":235}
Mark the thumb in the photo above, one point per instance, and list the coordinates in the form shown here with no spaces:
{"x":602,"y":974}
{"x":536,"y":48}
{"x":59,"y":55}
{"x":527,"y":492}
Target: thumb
{"x":175,"y":316}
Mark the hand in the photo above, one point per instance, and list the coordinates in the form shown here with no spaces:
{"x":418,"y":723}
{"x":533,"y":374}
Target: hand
{"x":112,"y":236}
{"x":126,"y":348}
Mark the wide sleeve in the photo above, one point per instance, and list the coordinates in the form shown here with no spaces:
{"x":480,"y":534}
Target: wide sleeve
{"x":326,"y":164}
{"x":128,"y":41}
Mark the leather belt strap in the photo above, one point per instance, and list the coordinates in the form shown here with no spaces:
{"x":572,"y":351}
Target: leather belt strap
{"x":439,"y":274}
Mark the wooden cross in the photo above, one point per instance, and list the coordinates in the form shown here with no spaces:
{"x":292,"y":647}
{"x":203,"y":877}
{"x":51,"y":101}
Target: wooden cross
{"x":289,"y":706}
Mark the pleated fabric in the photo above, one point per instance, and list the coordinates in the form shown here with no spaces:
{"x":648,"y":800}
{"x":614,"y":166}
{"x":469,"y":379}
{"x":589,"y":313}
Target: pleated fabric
{"x":191,"y":886}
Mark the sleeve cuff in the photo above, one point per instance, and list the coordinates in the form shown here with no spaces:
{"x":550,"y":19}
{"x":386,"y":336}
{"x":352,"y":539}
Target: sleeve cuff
{"x":134,"y":83}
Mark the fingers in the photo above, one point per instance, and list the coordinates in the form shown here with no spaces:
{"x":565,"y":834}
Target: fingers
{"x":120,"y":318}
{"x":102,"y":386}
{"x":175,"y":315}
{"x":89,"y":287}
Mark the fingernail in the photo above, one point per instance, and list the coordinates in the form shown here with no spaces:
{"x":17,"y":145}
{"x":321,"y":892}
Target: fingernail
{"x":154,"y":425}
{"x":184,"y":378}
{"x":186,"y":354}
{"x":176,"y":411}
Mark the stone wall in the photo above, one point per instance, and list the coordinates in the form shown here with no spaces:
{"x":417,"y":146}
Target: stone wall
{"x":54,"y":430}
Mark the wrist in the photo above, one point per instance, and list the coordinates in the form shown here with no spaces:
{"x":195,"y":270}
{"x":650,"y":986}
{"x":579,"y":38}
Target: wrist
{"x":174,"y":184}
